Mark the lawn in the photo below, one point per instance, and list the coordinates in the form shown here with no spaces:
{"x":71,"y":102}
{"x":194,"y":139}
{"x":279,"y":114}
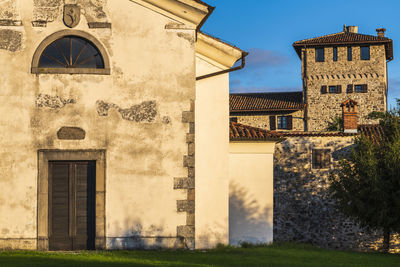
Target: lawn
{"x":274,"y":255}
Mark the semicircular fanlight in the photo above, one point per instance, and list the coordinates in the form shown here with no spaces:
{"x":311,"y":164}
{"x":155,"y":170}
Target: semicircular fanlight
{"x":71,"y":52}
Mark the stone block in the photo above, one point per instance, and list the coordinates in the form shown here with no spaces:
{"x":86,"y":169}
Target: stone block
{"x":187,"y":116}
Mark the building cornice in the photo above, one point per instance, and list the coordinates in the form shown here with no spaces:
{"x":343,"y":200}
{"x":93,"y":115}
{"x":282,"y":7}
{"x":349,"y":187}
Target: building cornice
{"x":217,"y":50}
{"x":189,"y":12}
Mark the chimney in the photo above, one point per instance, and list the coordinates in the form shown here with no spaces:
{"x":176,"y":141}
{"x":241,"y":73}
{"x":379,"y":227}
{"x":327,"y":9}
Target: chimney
{"x":349,"y":115}
{"x":353,"y":29}
{"x":381,"y":32}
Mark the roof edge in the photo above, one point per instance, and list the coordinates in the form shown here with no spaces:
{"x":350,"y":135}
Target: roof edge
{"x":192,"y":12}
{"x":218,"y":50}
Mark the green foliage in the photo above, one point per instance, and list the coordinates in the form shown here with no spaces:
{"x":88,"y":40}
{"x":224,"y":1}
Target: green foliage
{"x":367,"y":184}
{"x":276,"y":255}
{"x":336,"y":125}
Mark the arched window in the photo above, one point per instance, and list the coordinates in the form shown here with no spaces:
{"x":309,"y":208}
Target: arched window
{"x":70,"y":52}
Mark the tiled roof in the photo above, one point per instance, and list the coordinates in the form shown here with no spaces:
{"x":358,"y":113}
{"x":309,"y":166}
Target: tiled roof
{"x":373,"y":131}
{"x":315,"y":134}
{"x":266,"y":101}
{"x":345,"y":38}
{"x":241,"y":132}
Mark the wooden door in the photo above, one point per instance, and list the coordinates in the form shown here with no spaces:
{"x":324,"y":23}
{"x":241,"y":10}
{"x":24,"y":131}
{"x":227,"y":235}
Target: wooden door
{"x":71,"y":205}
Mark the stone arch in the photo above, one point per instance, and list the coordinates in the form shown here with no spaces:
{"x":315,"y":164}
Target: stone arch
{"x":36,"y":69}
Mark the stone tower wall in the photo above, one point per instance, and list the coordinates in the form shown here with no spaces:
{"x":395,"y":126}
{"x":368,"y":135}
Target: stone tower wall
{"x":322,"y":108}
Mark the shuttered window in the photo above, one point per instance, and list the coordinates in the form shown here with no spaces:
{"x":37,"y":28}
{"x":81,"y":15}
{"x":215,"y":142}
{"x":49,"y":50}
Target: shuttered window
{"x":321,"y":158}
{"x":285,"y":122}
{"x":364,"y":52}
{"x":335,"y":54}
{"x":272,"y":123}
{"x":360,"y":88}
{"x":319,"y":54}
{"x":233,"y":119}
{"x":349,"y":54}
{"x":335,"y":89}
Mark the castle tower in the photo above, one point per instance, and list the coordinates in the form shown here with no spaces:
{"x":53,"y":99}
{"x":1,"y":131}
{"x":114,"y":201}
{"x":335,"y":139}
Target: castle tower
{"x":340,"y":66}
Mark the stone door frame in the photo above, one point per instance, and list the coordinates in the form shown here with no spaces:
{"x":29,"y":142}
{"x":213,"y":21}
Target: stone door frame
{"x":44,"y":156}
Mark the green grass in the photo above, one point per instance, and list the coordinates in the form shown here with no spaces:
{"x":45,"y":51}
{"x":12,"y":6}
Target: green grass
{"x":274,"y":255}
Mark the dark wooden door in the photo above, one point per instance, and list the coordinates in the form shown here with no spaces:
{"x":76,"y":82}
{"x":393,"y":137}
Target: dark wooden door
{"x":71,"y":205}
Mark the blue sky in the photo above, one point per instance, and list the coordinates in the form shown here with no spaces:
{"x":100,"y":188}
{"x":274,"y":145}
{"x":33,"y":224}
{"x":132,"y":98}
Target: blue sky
{"x":267,"y":29}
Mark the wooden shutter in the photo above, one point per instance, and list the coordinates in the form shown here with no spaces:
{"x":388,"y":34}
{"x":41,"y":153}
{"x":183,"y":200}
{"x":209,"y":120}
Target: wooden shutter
{"x":364,"y":88}
{"x":326,"y":158}
{"x":290,"y":122}
{"x":349,"y":88}
{"x":272,"y":122}
{"x":338,"y":89}
{"x":316,"y":158}
{"x":323,"y":89}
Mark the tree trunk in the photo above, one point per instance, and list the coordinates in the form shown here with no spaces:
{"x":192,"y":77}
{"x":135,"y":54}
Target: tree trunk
{"x":386,"y":240}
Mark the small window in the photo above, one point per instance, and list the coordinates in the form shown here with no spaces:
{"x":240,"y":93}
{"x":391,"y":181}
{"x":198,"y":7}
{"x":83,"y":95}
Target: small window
{"x":364,"y":52}
{"x":233,"y":119}
{"x":360,"y":88}
{"x":319,"y":54}
{"x":323,"y":89}
{"x":335,"y":54}
{"x":333,"y":89}
{"x":321,"y":158}
{"x":349,"y":54}
{"x":282,"y":122}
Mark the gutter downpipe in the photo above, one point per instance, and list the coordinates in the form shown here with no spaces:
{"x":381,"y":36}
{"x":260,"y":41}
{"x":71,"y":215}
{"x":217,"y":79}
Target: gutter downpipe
{"x":244,"y":54}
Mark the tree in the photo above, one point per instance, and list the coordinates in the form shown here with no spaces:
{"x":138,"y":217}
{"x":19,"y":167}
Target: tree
{"x":336,"y":125}
{"x":366,"y":185}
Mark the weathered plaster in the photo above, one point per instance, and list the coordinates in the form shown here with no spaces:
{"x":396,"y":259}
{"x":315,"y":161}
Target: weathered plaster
{"x":144,"y":112}
{"x":54,"y":102}
{"x":11,"y":40}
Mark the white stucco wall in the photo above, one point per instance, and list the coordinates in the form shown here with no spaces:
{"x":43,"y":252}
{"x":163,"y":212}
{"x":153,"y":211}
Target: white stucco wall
{"x":212,"y":150}
{"x":251,"y":192}
{"x":148,"y":63}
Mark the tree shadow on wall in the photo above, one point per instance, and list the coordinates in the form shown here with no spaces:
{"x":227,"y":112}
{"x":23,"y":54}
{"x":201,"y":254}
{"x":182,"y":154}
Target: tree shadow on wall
{"x":134,"y":237}
{"x":304,"y":210}
{"x":248,"y":221}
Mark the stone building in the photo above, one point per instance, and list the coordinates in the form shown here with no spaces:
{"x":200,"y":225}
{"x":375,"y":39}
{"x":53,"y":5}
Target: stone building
{"x":335,"y":67}
{"x":283,"y":111}
{"x":101,"y":119}
{"x":340,"y":66}
{"x":344,"y":75}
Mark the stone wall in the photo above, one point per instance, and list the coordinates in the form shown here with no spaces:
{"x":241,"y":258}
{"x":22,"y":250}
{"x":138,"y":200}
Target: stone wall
{"x":262,"y":120}
{"x":322,"y":108}
{"x":303,"y":209}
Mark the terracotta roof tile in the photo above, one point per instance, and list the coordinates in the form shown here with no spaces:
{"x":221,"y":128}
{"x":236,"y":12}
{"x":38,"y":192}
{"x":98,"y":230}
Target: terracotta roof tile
{"x":373,"y":131}
{"x":241,"y":132}
{"x":346,"y":38}
{"x":314,"y":134}
{"x":266,"y":101}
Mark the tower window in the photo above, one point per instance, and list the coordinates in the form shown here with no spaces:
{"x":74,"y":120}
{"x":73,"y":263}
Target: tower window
{"x":349,"y":54}
{"x":360,"y":88}
{"x":335,"y":54}
{"x":365,"y":55}
{"x":335,"y":89}
{"x":319,"y":54}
